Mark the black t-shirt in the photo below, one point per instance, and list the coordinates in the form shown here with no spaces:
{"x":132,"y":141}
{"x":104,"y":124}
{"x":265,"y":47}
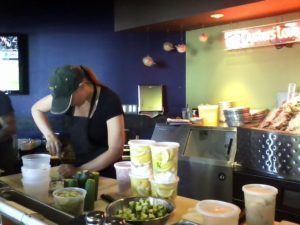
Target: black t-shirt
{"x":7,"y":155}
{"x":89,"y":136}
{"x":109,"y":106}
{"x":5,"y":104}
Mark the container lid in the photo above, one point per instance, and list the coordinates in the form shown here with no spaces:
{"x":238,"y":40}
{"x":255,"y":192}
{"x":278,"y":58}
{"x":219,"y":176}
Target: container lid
{"x":141,"y":142}
{"x":36,"y":156}
{"x":215,"y":208}
{"x":259,"y":189}
{"x":123,"y":164}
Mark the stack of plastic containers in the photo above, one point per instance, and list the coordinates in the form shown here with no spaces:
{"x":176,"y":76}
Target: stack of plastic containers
{"x":141,"y":167}
{"x":35,"y":175}
{"x":154,"y":168}
{"x":164,"y":181}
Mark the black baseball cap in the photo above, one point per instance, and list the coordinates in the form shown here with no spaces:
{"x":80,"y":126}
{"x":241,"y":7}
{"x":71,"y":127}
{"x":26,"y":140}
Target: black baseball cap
{"x":63,"y":83}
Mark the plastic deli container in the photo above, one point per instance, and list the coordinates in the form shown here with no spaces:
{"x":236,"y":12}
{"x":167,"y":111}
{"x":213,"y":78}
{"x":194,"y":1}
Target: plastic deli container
{"x":36,"y":160}
{"x":70,"y":200}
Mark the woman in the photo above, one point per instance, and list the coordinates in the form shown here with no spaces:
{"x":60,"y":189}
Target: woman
{"x":94,"y":118}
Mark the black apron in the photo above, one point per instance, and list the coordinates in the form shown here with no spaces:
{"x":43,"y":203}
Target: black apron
{"x":85,"y":150}
{"x":8,"y":157}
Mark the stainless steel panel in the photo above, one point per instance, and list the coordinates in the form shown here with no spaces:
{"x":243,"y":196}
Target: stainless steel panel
{"x":211,"y":144}
{"x":271,"y":152}
{"x":202,"y":180}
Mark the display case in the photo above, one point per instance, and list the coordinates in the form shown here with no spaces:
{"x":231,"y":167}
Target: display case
{"x":272,"y":158}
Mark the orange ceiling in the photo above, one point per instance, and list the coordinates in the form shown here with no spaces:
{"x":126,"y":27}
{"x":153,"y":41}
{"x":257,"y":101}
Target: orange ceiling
{"x":255,"y":10}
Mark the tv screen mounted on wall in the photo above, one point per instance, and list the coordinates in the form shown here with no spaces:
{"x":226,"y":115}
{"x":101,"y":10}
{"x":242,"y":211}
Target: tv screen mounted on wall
{"x":13,"y":64}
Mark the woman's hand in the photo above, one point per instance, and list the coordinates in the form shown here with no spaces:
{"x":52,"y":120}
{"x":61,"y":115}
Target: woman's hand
{"x":67,"y":170}
{"x":53,"y":145}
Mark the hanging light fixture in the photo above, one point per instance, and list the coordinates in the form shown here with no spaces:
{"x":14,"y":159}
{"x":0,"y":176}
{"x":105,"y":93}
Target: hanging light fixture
{"x":148,"y":60}
{"x":168,"y":46}
{"x":181,"y":48}
{"x":203,"y":37}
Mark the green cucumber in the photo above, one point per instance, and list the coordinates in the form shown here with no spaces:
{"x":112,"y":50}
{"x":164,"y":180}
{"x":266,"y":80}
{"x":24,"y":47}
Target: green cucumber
{"x":95,"y":175}
{"x":90,"y":187}
{"x":82,"y":176}
{"x":70,"y":182}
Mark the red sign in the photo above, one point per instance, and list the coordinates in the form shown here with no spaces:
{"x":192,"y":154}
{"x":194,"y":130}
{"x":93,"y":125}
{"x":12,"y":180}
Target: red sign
{"x":275,"y":34}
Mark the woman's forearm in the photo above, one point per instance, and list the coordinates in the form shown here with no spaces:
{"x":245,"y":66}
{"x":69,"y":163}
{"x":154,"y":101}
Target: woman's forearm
{"x":41,"y":120}
{"x":102,"y":161}
{"x":38,"y":111}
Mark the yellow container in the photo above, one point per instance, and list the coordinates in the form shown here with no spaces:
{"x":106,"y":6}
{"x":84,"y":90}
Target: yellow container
{"x":140,"y":151}
{"x":167,"y":190}
{"x":210,"y":114}
{"x":140,"y":185}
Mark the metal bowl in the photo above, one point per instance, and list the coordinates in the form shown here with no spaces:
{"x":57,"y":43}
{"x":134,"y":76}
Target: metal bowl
{"x":112,"y":208}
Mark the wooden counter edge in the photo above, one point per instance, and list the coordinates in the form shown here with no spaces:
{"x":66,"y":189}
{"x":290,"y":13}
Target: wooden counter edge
{"x":109,"y":186}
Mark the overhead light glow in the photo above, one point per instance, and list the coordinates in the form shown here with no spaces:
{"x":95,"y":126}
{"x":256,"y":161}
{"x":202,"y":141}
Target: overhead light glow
{"x":217,"y":15}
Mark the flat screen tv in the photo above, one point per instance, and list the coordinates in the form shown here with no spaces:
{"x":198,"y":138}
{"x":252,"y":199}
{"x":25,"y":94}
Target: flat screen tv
{"x":13,"y":64}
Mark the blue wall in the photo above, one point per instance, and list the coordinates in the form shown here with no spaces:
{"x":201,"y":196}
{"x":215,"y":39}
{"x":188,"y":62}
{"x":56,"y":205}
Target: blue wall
{"x":85,"y":35}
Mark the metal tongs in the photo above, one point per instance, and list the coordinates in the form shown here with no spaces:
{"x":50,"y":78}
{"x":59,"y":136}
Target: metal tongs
{"x":99,"y":218}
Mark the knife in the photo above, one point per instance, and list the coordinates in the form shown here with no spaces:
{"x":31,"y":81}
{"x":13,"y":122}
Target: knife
{"x":107,"y":198}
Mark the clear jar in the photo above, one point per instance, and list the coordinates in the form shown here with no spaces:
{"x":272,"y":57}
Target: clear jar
{"x":291,"y":91}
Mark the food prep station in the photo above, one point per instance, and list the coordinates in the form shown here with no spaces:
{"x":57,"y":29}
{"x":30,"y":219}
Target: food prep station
{"x":42,"y":214}
{"x":222,"y":159}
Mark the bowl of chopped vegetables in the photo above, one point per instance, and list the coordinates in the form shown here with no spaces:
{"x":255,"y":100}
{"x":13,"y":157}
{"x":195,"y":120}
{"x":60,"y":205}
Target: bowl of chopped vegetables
{"x":141,"y":210}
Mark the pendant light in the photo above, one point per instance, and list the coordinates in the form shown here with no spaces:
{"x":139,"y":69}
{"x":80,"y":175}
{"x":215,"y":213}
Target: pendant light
{"x":181,"y":47}
{"x":148,"y":60}
{"x":203,"y":37}
{"x":168,"y":46}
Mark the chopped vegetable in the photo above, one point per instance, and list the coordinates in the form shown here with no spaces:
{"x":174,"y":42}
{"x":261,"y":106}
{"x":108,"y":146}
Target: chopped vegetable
{"x":141,"y":210}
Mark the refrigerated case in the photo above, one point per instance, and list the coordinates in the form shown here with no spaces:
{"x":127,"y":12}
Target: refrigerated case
{"x":206,"y":156}
{"x":269,"y":157}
